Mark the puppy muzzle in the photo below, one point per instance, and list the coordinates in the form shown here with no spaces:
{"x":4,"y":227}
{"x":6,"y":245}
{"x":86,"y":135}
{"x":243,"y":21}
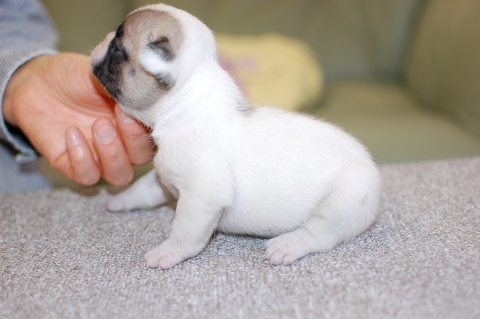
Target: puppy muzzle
{"x":100,"y":50}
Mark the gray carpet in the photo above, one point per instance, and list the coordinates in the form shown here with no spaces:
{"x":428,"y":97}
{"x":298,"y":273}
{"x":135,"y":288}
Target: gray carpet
{"x":62,"y":255}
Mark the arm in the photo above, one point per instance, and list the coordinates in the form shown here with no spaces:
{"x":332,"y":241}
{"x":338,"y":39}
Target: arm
{"x":25,"y":33}
{"x":59,"y":106}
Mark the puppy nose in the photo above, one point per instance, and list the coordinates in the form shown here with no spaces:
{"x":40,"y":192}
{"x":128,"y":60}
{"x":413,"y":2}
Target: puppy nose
{"x":101,"y":49}
{"x":109,"y":37}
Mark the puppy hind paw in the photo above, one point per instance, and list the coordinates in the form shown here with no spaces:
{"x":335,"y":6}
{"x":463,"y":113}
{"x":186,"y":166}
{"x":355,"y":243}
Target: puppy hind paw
{"x":161,"y":262}
{"x":162,"y":257}
{"x":279,"y":257}
{"x":287,"y":248}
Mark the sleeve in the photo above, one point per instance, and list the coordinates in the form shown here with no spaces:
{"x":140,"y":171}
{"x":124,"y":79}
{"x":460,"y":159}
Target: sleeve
{"x":26,"y":32}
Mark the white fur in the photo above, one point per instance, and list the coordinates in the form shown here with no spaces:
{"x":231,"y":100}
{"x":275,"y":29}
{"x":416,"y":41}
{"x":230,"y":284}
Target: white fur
{"x":263,"y":172}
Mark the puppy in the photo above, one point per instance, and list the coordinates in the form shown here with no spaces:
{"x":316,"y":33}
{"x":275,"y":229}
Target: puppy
{"x":232,"y":166}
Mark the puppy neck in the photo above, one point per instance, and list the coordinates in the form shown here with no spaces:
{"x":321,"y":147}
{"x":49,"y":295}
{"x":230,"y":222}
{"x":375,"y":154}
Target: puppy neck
{"x":207,"y":97}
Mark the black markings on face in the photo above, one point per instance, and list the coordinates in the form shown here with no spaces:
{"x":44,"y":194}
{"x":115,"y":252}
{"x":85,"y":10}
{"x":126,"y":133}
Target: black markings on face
{"x":109,"y":70}
{"x":165,"y":82}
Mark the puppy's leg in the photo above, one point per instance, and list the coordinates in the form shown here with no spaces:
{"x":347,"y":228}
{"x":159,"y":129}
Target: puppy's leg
{"x":349,"y":209}
{"x":147,"y":192}
{"x":192,"y":228}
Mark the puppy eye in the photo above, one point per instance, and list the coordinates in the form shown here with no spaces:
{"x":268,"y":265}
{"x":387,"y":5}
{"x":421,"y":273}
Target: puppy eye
{"x":118,"y":52}
{"x":115,"y":48}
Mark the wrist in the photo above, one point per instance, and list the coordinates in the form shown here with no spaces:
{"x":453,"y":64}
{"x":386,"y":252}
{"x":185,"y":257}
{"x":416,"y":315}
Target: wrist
{"x":14,"y":85}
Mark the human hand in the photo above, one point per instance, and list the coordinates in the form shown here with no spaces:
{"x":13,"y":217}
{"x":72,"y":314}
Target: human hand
{"x":72,"y":121}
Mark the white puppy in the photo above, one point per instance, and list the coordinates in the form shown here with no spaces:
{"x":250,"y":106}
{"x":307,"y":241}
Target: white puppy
{"x":232,"y":166}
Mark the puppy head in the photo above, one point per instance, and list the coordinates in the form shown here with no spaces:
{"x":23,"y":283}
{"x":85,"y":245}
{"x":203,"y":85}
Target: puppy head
{"x":150,"y":54}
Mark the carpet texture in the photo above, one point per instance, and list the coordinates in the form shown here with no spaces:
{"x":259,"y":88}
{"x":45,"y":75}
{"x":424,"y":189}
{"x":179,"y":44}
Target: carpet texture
{"x":62,"y":255}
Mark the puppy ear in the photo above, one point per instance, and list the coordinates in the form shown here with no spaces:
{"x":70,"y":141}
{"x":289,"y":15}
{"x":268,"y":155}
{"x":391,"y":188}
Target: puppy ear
{"x":156,"y":58}
{"x":163,"y":47}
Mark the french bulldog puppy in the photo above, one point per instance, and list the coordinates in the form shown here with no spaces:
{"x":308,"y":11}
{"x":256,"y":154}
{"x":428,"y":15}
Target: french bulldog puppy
{"x":232,"y":166}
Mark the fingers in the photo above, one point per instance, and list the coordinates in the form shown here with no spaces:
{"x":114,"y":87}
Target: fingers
{"x":114,"y":159}
{"x":80,"y":166}
{"x":135,"y":137}
{"x":116,"y":151}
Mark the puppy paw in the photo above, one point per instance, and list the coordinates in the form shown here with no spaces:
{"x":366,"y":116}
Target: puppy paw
{"x":119,"y":203}
{"x":164,"y":256}
{"x":287,"y":248}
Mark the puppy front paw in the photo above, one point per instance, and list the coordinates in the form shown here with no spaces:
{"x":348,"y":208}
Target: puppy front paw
{"x":164,"y":256}
{"x":119,"y":203}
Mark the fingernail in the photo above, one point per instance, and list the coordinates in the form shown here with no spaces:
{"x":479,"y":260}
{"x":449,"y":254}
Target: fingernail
{"x":105,"y":132}
{"x":73,"y":136}
{"x":125,"y":116}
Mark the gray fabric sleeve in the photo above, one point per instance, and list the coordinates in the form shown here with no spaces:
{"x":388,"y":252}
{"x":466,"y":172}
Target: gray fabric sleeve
{"x":26,"y":32}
